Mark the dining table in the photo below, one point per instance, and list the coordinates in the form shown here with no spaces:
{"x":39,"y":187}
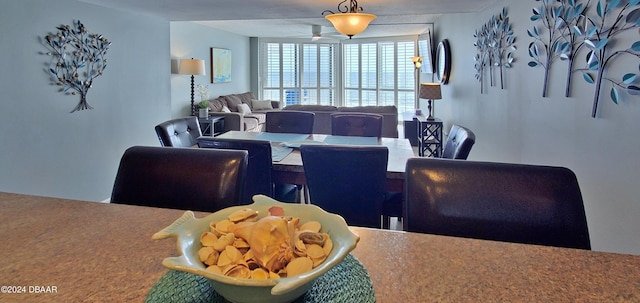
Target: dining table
{"x":62,"y":250}
{"x":289,"y":169}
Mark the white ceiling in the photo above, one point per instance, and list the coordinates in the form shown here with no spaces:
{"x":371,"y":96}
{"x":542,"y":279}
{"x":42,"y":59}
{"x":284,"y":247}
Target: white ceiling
{"x":293,"y":18}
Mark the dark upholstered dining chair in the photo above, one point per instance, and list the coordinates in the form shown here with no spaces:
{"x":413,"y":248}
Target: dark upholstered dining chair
{"x":289,"y":121}
{"x":459,"y":142}
{"x":367,"y":125}
{"x":347,"y":180}
{"x":356,"y":124}
{"x":495,"y":201}
{"x":292,"y":122}
{"x":258,"y":180}
{"x":180,"y":132}
{"x":180,"y":178}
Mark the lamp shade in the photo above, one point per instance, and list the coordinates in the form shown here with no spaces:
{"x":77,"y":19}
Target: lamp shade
{"x":350,"y":23}
{"x":417,"y":61}
{"x":430,"y":91}
{"x":191,"y":67}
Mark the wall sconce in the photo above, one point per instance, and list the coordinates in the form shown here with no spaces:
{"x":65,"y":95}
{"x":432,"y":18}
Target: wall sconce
{"x":192,"y":67}
{"x":417,"y":61}
{"x":349,"y":21}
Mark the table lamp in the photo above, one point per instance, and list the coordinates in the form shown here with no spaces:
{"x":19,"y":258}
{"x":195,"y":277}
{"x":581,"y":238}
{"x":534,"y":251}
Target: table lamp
{"x":192,"y":67}
{"x":430,"y":91}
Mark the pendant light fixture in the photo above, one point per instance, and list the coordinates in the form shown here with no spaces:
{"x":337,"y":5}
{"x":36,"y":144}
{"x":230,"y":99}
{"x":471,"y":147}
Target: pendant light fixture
{"x":349,"y":20}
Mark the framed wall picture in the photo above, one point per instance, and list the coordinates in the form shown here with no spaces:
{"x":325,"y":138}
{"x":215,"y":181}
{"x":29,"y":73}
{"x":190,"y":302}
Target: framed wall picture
{"x":220,"y":65}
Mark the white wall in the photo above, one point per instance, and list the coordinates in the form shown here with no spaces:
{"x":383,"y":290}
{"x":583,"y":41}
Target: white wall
{"x":46,"y":150}
{"x":192,"y":40}
{"x":518,"y":125}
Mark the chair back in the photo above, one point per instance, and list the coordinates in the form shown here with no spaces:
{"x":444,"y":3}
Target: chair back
{"x":356,"y":124}
{"x":347,"y":180}
{"x":258,"y":180}
{"x":289,"y":121}
{"x":495,"y":201}
{"x":181,"y":178}
{"x":459,"y":143}
{"x":181,"y":132}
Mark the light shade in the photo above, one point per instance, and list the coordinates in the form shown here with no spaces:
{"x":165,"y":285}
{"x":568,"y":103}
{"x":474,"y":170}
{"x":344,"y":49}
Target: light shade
{"x":430,"y":91}
{"x":350,"y":23}
{"x":417,"y":61}
{"x":191,"y":67}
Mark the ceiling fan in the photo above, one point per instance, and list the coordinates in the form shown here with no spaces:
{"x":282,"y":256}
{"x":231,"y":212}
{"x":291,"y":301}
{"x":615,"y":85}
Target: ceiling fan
{"x":316,"y":34}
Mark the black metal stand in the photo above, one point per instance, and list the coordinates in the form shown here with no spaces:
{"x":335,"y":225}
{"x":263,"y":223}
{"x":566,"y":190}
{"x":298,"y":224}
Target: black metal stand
{"x":193,"y":106}
{"x":429,"y":137}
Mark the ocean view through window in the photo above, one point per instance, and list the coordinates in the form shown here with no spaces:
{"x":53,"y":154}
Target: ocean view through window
{"x":299,"y":73}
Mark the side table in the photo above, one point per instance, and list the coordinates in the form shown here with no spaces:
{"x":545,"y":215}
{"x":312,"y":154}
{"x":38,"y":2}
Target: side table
{"x":410,"y":127}
{"x":212,"y":126}
{"x":429,"y":137}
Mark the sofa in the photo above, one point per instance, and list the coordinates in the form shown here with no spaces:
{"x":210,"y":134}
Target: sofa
{"x":242,"y":111}
{"x":322,"y":120}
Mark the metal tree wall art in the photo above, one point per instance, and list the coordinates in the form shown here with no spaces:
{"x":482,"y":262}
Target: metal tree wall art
{"x":571,"y":14}
{"x":599,"y":32}
{"x":502,"y":47}
{"x":549,"y":42}
{"x":559,"y":20}
{"x":495,"y":46}
{"x":77,"y":57}
{"x":482,"y":55}
{"x":568,"y":28}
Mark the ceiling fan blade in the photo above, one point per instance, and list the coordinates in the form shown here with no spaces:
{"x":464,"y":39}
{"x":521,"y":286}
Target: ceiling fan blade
{"x":316,"y":32}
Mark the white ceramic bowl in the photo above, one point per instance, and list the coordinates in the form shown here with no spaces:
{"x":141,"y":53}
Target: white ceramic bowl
{"x":188,"y":229}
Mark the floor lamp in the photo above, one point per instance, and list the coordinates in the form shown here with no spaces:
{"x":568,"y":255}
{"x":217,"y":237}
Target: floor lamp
{"x":192,"y":67}
{"x":430,"y":91}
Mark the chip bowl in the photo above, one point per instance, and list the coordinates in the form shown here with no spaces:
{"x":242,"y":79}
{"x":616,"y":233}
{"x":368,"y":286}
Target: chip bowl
{"x":187,"y":229}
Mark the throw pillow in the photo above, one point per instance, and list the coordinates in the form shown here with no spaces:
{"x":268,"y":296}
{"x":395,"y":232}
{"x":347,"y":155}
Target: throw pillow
{"x":244,"y":109}
{"x":233,"y":102}
{"x":216,"y":105}
{"x":225,"y":109}
{"x":245,"y":97}
{"x":261,"y":104}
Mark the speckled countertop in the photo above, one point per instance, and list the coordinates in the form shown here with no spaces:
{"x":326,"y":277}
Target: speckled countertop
{"x":95,"y":252}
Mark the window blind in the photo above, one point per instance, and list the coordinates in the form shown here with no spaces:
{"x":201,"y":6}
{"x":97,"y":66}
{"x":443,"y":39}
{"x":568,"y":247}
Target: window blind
{"x":371,"y":73}
{"x":298,"y":73}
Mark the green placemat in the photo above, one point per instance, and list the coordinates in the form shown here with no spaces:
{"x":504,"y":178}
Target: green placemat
{"x":351,"y":140}
{"x":279,"y":152}
{"x":346,"y":282}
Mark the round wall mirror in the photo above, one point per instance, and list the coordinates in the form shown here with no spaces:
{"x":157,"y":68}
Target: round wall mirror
{"x":443,"y":61}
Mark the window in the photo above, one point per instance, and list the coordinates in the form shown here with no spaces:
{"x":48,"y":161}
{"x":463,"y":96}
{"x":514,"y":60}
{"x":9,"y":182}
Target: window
{"x":380,"y":73}
{"x":371,"y":73}
{"x":299,"y":73}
